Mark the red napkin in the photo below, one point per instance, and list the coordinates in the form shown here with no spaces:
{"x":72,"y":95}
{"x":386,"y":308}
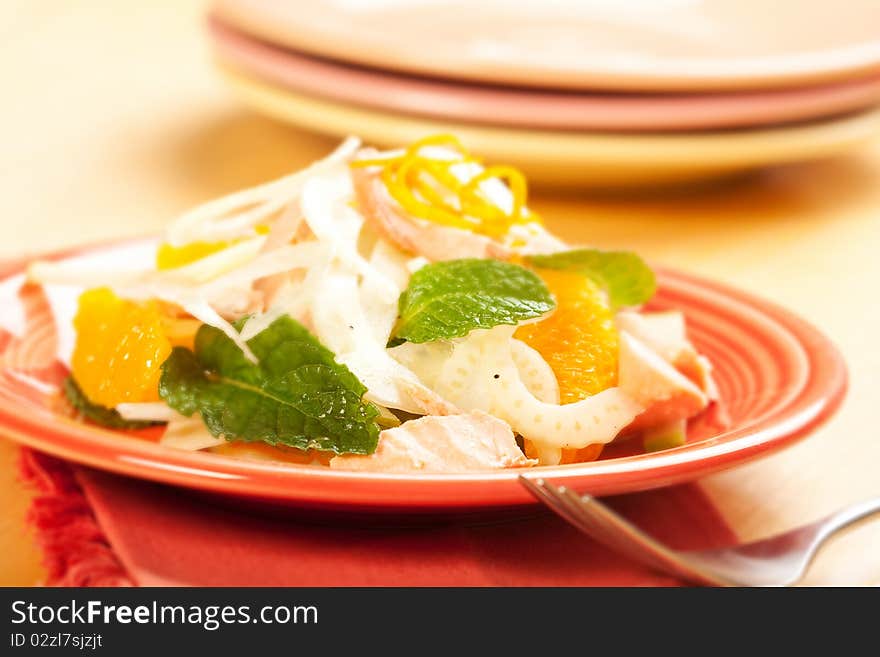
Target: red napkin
{"x":102,"y":529}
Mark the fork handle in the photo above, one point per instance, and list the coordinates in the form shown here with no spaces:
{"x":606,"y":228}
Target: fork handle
{"x":848,"y":516}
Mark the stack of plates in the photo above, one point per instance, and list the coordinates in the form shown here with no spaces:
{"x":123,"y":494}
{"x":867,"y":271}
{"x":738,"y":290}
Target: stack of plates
{"x":595,"y":92}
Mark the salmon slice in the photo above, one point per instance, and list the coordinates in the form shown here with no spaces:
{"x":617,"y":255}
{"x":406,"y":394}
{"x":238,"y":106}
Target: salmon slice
{"x":449,"y":443}
{"x":666,"y":393}
{"x":37,"y":347}
{"x":664,"y":333}
{"x":34,"y":354}
{"x":699,"y":370}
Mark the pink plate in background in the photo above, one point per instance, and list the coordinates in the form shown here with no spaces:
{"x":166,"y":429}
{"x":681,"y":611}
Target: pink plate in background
{"x":779,"y":378}
{"x":509,"y":106}
{"x":636,"y":45}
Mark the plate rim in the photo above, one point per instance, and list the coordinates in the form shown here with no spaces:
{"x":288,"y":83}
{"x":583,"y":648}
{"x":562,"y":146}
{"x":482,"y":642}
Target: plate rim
{"x":398,"y":92}
{"x":536,"y":148}
{"x":689,"y":74}
{"x":668,"y":467}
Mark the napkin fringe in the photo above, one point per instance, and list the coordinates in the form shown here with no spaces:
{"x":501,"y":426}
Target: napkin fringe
{"x":75,"y":550}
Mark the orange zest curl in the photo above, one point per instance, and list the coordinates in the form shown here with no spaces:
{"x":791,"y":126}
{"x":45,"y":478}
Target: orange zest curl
{"x":427,"y":187}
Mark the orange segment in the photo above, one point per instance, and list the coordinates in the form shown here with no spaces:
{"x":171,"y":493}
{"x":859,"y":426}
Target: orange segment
{"x":181,"y":331}
{"x":120,"y":347}
{"x":582,"y":455}
{"x":578,"y":340}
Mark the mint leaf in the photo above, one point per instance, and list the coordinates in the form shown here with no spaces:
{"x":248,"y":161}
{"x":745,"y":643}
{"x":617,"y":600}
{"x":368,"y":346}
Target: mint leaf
{"x":297,"y":394}
{"x":624,"y":275}
{"x":450,"y":299}
{"x":106,"y":417}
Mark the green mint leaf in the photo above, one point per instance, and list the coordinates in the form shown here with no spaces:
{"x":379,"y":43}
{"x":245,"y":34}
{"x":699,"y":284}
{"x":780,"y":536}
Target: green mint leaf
{"x":106,"y":417}
{"x":450,"y":299}
{"x":297,"y":394}
{"x":624,"y":275}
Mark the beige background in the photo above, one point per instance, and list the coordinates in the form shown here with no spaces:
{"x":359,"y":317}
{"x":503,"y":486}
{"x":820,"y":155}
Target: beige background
{"x":112,"y":121}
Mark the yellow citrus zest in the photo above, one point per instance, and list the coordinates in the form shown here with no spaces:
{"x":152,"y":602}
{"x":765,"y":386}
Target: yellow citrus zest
{"x":426,"y":187}
{"x":120,"y":347}
{"x":578,"y":340}
{"x":171,"y":257}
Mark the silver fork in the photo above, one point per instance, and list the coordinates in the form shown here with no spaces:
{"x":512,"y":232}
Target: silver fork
{"x":780,"y":560}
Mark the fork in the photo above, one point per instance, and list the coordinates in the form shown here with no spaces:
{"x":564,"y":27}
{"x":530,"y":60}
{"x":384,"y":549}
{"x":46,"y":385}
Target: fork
{"x":780,"y":560}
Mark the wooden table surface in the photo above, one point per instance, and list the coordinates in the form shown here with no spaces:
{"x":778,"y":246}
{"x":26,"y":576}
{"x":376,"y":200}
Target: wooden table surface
{"x":113,"y":121}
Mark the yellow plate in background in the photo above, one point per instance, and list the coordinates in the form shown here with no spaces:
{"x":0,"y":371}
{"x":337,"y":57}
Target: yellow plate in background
{"x":583,"y":159}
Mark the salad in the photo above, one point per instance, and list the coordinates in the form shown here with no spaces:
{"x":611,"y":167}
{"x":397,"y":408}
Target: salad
{"x":390,"y":311}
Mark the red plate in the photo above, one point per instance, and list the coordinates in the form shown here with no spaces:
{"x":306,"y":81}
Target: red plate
{"x":779,"y":379}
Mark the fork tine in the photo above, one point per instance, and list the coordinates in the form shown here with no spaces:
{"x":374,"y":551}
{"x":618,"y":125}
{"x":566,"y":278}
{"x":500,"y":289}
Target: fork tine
{"x":581,"y":520}
{"x":558,"y":498}
{"x":598,"y":528}
{"x":608,"y":528}
{"x":535,"y":487}
{"x":619,"y":534}
{"x":544,"y":492}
